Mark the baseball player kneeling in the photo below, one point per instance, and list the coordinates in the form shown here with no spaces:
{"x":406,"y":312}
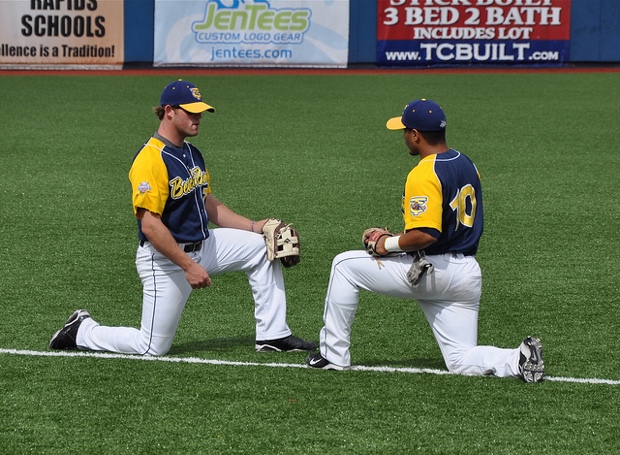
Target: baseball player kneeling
{"x":432,"y":261}
{"x":174,"y":203}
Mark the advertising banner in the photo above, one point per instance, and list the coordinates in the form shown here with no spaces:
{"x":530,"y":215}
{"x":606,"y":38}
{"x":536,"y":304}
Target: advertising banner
{"x":470,"y":32}
{"x":67,"y":34}
{"x":265,"y":33}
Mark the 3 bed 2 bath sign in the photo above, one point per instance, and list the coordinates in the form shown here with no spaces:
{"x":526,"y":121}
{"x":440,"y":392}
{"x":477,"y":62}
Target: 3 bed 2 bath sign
{"x":443,"y":32}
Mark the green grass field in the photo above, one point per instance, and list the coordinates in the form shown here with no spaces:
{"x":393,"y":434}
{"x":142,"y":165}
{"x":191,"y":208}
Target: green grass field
{"x":312,"y":150}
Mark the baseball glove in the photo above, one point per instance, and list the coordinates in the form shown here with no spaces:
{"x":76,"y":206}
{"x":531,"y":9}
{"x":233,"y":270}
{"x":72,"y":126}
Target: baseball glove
{"x":282,"y":242}
{"x":371,"y":236}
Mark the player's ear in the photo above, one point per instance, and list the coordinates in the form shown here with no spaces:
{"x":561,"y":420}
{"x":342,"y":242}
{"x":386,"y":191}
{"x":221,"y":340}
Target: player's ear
{"x":168,"y":110}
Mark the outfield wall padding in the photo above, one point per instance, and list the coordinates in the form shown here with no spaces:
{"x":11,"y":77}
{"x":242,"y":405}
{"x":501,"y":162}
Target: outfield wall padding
{"x":595,"y":31}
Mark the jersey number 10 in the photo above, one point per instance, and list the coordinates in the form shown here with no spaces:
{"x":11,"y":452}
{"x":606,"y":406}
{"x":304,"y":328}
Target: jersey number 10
{"x":460,"y":206}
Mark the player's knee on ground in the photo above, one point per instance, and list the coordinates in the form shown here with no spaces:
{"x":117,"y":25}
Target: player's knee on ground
{"x":458,"y":365}
{"x":158,"y":347}
{"x":455,"y":367}
{"x":454,"y":363}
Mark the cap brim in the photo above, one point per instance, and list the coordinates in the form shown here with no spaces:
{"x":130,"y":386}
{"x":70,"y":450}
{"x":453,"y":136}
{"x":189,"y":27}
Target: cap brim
{"x":197,"y":108}
{"x":395,"y":123}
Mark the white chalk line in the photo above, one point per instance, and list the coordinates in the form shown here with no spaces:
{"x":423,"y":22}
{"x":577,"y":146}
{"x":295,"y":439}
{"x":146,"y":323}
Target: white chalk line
{"x":198,"y":360}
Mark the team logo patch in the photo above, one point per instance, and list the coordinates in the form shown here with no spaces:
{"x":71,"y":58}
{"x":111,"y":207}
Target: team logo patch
{"x":417,"y":205}
{"x":196,"y":93}
{"x":144,"y":187}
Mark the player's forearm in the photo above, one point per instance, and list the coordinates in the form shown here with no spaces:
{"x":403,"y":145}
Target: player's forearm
{"x":412,"y":240}
{"x":415,"y":240}
{"x":224,"y":217}
{"x":220,"y":215}
{"x":163,"y":241}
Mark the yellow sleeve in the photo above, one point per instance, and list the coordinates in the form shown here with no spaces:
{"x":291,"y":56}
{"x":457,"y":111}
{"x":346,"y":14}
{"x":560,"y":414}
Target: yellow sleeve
{"x":422,"y":199}
{"x":149,"y":178}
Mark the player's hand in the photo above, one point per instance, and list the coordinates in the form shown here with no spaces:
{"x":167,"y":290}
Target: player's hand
{"x":379,"y":248}
{"x":374,"y":240}
{"x":197,"y":277}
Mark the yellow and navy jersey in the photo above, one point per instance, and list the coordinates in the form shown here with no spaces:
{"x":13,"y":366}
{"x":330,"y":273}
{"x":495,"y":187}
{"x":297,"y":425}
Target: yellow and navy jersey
{"x":443,"y":196}
{"x":173,"y":183}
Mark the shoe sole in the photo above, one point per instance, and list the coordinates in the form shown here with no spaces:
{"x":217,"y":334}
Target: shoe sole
{"x":534,"y":367}
{"x":271,"y":348}
{"x":327,"y":367}
{"x":266,"y":348}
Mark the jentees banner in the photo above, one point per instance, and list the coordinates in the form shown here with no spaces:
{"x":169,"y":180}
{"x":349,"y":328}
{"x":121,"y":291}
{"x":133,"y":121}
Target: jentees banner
{"x":75,"y":34}
{"x":265,"y":33}
{"x":472,"y":32}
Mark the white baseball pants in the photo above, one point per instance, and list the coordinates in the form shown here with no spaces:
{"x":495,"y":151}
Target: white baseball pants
{"x":449,"y":298}
{"x":165,"y":292}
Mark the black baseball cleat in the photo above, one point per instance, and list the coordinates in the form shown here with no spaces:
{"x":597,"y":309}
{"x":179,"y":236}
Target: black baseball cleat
{"x":66,"y":337}
{"x":531,"y":365}
{"x":316,"y":360}
{"x":287,"y":344}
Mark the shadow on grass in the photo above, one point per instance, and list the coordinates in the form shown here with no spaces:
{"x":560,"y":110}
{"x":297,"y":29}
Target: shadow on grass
{"x":232,"y":344}
{"x":216,"y":344}
{"x":433,"y":364}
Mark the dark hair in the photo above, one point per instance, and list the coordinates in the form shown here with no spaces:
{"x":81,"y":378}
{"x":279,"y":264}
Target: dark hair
{"x":434,"y":137}
{"x":160,"y":111}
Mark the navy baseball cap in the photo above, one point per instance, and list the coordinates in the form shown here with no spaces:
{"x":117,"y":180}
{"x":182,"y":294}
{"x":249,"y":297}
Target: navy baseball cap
{"x":186,"y":95}
{"x":422,"y":115}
